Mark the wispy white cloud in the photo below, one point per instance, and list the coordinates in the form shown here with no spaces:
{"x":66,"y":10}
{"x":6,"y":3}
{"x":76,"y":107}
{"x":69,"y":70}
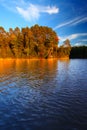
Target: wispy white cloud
{"x":83,"y":40}
{"x":80,"y":44}
{"x":48,"y":9}
{"x":72,"y":22}
{"x":81,"y":20}
{"x":33,"y":11}
{"x":30,"y":13}
{"x":77,"y":44}
{"x":11,"y":4}
{"x":27,"y":10}
{"x":73,"y":36}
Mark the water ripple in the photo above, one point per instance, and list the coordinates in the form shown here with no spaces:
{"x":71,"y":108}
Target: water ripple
{"x":42,"y":95}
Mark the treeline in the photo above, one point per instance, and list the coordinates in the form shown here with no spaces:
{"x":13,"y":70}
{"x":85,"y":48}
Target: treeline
{"x":35,"y":42}
{"x":78,"y":52}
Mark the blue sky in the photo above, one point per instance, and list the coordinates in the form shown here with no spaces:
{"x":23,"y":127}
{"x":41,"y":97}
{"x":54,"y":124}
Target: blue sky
{"x":68,"y":18}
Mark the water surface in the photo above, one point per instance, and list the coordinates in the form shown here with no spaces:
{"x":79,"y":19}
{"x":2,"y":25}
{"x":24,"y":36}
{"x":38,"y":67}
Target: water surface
{"x":43,"y":94}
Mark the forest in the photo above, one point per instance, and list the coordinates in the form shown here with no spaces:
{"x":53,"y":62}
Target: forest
{"x":78,"y":52}
{"x":34,"y":42}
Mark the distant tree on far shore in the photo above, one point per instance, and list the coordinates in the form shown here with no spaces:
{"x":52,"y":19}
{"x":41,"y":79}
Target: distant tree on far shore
{"x":78,"y":52}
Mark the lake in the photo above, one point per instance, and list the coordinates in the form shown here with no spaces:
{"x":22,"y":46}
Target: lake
{"x":43,"y":94}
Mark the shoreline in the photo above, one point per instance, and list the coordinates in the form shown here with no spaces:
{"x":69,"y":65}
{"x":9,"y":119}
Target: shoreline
{"x":62,"y":58}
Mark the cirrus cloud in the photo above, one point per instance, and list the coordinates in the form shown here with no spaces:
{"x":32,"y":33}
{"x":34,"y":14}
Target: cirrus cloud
{"x":73,"y":36}
{"x":33,"y":11}
{"x":29,"y":14}
{"x":72,"y":22}
{"x":27,"y":10}
{"x":79,"y":39}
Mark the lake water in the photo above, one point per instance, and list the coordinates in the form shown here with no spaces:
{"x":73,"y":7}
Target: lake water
{"x":43,"y":94}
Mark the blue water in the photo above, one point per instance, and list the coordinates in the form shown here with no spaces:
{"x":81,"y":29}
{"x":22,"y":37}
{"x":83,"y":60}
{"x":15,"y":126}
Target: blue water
{"x":43,"y":94}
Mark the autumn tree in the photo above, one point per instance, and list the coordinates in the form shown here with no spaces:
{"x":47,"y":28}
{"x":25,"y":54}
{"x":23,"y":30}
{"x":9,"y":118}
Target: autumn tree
{"x":3,"y":43}
{"x":64,"y":50}
{"x":37,"y":41}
